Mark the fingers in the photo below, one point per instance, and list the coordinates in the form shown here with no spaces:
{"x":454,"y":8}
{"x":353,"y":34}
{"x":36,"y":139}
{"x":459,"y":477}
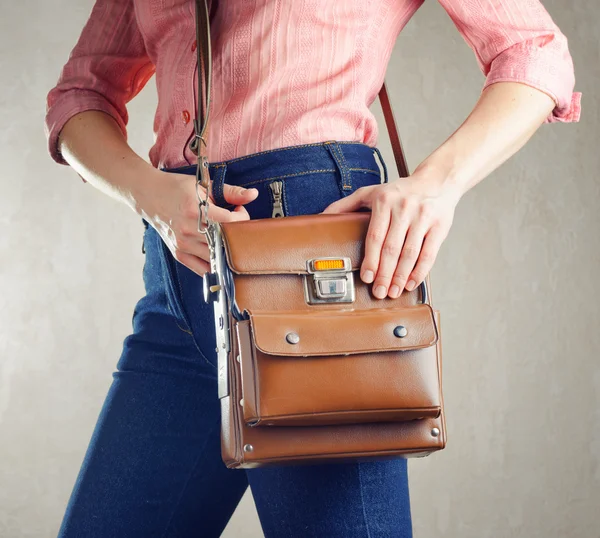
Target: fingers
{"x":350,"y":203}
{"x":195,"y":245}
{"x":220,"y":214}
{"x":196,"y":264}
{"x":237,"y":195}
{"x":390,"y":253}
{"x":429,"y":251}
{"x":190,"y":247}
{"x":401,"y":246}
{"x":240,"y":213}
{"x":408,"y":257}
{"x":376,"y":234}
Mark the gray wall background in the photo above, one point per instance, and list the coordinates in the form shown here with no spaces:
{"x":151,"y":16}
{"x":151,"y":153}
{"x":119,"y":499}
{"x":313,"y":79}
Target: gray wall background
{"x":516,"y":282}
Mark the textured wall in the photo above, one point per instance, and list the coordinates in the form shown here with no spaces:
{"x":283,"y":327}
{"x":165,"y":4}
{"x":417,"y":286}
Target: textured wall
{"x":515,"y":282}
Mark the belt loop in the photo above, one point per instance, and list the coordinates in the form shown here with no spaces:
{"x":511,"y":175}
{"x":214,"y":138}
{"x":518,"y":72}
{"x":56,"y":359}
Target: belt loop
{"x":338,"y":156}
{"x":385,"y":172}
{"x":217,"y":183}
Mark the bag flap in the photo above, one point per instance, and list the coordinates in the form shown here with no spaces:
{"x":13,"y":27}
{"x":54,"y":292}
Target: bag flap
{"x":283,"y":245}
{"x":343,"y":332}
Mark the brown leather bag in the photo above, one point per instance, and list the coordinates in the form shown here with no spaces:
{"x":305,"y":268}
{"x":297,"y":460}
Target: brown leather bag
{"x":311,"y":366}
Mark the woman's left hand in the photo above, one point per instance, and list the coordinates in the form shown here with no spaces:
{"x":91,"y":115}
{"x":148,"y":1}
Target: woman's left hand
{"x":410,"y":218}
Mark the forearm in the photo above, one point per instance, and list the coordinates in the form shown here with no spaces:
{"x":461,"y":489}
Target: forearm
{"x":504,"y":118}
{"x":93,"y":145}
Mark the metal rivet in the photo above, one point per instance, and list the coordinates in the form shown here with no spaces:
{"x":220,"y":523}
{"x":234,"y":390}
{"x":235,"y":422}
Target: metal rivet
{"x":435,"y":432}
{"x":292,"y":338}
{"x":400,"y":331}
{"x":242,"y":401}
{"x":238,"y":358}
{"x":248,"y":448}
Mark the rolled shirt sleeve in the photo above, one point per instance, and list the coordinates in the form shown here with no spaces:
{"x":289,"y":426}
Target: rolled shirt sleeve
{"x":107,"y":67}
{"x":517,"y":41}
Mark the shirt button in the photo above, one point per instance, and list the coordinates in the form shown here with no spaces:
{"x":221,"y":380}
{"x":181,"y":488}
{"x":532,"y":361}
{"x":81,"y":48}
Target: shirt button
{"x":185,"y":116}
{"x":194,"y":45}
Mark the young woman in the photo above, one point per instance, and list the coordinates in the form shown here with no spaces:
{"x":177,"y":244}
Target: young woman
{"x":292,"y":86}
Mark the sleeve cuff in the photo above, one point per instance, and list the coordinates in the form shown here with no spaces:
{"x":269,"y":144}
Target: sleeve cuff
{"x":548,"y":69}
{"x":69,"y":104}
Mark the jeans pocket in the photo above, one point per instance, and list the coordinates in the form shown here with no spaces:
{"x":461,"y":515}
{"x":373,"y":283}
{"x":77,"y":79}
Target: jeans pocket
{"x":173,"y":288}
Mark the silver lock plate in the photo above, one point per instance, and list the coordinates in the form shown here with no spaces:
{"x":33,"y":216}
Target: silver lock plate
{"x":329,"y":280}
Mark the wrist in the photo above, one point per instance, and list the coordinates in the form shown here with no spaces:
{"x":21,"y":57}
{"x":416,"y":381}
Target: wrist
{"x":137,"y":180}
{"x":435,"y":179}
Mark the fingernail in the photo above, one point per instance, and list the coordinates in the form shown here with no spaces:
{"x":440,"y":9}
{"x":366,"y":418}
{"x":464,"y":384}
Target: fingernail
{"x":394,"y":291}
{"x":411,"y":285}
{"x":380,"y":292}
{"x":368,"y":276}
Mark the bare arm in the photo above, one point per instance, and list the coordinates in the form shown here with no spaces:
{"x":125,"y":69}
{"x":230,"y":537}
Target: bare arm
{"x":503,"y":120}
{"x":94,"y":145}
{"x":86,"y":127}
{"x":411,"y":217}
{"x":529,"y":80}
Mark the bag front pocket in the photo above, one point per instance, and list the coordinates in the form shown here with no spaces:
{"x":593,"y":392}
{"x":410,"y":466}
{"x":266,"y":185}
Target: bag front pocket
{"x":311,"y":368}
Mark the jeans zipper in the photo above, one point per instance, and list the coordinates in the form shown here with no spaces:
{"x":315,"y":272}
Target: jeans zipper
{"x":277,"y":190}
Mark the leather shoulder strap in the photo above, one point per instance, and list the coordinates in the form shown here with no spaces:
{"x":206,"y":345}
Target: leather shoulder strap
{"x":390,"y":121}
{"x":204,"y":84}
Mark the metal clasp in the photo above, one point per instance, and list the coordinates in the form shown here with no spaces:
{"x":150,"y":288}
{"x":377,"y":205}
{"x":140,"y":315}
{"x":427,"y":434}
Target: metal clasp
{"x":329,"y":280}
{"x":203,"y":180}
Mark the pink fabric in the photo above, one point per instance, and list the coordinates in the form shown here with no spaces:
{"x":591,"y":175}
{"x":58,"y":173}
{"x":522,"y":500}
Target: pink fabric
{"x":285,"y":73}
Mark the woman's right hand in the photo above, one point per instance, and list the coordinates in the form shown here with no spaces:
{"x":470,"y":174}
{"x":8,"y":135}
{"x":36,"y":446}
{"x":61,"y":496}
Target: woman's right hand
{"x":169,"y":202}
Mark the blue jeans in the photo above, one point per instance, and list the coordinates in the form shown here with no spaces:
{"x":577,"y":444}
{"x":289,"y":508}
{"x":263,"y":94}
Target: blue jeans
{"x":153,"y":468}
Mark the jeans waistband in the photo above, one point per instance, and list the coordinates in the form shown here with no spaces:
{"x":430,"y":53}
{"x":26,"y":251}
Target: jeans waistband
{"x":304,"y":157}
{"x":290,"y":161}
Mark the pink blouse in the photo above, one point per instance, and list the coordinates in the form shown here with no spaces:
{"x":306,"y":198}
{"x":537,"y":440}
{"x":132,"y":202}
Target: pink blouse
{"x":285,"y":72}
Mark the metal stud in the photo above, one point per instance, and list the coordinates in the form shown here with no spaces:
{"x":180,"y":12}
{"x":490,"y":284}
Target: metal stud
{"x":238,"y":358}
{"x":400,"y":331}
{"x":435,"y":432}
{"x":242,"y":401}
{"x":248,"y":448}
{"x":292,"y":338}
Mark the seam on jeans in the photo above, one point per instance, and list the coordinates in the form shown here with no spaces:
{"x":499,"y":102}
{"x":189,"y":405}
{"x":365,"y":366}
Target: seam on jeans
{"x":187,"y":481}
{"x":183,"y":314}
{"x":362,"y":500}
{"x":176,"y":321}
{"x":223,"y":165}
{"x":187,"y":320}
{"x":365,"y":170}
{"x":305,"y":173}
